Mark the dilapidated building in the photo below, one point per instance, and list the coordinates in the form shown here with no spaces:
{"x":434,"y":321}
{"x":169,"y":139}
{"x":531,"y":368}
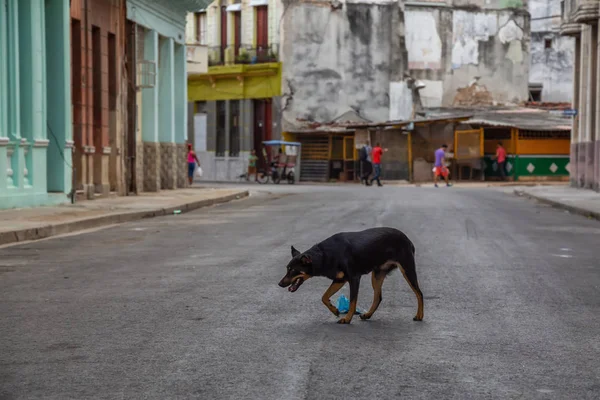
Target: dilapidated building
{"x":551,"y":55}
{"x":357,"y":56}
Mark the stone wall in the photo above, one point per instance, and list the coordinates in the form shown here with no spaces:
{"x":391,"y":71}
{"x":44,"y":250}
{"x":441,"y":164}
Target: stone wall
{"x":152,"y":167}
{"x":168,"y":165}
{"x":181,"y":165}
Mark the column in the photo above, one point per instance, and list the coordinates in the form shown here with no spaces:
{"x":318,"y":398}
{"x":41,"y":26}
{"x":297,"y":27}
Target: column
{"x":180,"y":113}
{"x":591,"y":107}
{"x":573,"y":162}
{"x":596,"y":143}
{"x":150,"y":119}
{"x":15,"y":151}
{"x":32,"y":83}
{"x":3,"y":104}
{"x":584,"y":74}
{"x":166,"y":103}
{"x":58,"y":96}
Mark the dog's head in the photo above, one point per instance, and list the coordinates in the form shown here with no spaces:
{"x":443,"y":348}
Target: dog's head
{"x":299,"y":269}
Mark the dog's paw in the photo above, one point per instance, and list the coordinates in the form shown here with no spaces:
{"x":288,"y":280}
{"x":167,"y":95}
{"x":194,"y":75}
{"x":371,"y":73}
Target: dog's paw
{"x":343,"y":321}
{"x":336,"y":312}
{"x":365,"y":316}
{"x":418,"y":319}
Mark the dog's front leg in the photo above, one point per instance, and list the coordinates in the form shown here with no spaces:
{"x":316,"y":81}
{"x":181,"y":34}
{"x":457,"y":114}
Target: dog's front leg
{"x":333,"y":289}
{"x":354,"y":284}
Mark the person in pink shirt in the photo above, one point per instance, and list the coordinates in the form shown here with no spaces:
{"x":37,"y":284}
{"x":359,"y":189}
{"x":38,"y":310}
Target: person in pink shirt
{"x":192,"y":161}
{"x":501,"y":159}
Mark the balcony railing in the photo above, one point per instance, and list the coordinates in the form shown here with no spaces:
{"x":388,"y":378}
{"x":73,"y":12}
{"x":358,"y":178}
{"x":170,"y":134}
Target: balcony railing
{"x":245,"y":55}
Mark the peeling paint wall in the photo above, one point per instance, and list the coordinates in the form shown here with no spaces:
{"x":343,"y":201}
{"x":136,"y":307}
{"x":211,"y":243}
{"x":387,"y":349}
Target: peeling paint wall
{"x":355,"y":58}
{"x":476,"y":41}
{"x":335,"y":61}
{"x":550,"y":66}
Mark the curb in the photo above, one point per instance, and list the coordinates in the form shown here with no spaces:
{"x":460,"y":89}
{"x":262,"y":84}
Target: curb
{"x":572,"y":209}
{"x":46,"y":231}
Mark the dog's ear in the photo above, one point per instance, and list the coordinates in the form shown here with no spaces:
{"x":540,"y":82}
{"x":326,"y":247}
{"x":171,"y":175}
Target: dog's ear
{"x":306,"y":259}
{"x":294,"y":252}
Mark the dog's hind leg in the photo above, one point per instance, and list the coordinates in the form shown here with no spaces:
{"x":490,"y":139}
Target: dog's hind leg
{"x":333,"y":289}
{"x":354,"y":284}
{"x":377,"y":281}
{"x":410,"y":274}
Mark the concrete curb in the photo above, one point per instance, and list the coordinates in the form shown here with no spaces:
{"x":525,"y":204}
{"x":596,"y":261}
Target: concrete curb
{"x":572,"y":209}
{"x":45,"y":231}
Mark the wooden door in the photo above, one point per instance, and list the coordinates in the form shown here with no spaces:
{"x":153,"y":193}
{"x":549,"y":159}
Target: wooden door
{"x":223,"y":32}
{"x":237,"y":32}
{"x":262,"y":32}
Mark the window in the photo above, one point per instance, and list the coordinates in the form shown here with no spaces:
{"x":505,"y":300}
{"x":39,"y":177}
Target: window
{"x":234,"y":128}
{"x":547,"y":44}
{"x":112,"y":72}
{"x":262,"y":28}
{"x":200,"y":27}
{"x":97,"y":86}
{"x":220,"y":150}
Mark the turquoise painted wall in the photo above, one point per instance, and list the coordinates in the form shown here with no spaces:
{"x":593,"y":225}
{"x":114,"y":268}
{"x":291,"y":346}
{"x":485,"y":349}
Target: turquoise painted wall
{"x":25,"y":76}
{"x":165,"y":17}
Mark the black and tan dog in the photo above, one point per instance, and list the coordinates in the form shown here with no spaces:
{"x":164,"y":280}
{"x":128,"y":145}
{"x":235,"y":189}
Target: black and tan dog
{"x":345,"y":257}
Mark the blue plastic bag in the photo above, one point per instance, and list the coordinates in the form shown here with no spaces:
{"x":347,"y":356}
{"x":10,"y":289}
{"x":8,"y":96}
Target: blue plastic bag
{"x":343,"y":305}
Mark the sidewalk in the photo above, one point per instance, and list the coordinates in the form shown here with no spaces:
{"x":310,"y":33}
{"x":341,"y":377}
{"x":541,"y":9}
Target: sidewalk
{"x":17,"y":225}
{"x":578,"y":201}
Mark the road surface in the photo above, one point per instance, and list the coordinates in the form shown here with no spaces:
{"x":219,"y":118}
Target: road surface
{"x":188,"y":306}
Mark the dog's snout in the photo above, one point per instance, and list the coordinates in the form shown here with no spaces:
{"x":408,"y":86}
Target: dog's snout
{"x":281,"y":283}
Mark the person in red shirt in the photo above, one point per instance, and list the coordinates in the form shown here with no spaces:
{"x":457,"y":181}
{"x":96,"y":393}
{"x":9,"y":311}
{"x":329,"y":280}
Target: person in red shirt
{"x":377,"y":152}
{"x":501,"y":159}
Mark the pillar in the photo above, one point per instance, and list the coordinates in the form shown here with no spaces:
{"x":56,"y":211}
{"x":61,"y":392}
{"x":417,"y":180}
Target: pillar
{"x":181,"y":108}
{"x":166,"y":103}
{"x":596,"y":142}
{"x":58,"y":96}
{"x":584,"y":75}
{"x":575,"y":132}
{"x":3,"y":104}
{"x":589,"y":181}
{"x":15,"y":151}
{"x":32,"y":94}
{"x":150,"y":119}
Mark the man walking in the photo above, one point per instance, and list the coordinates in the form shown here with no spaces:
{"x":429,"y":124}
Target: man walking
{"x":439,"y":166}
{"x":501,"y":160}
{"x":365,"y":164}
{"x":377,"y":152}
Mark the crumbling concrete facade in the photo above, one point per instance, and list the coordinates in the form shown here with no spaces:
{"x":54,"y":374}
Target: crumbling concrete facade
{"x":357,"y":56}
{"x":551,"y":55}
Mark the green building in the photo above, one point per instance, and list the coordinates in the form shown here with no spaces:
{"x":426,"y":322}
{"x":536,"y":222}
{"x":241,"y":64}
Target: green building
{"x":35,"y":103}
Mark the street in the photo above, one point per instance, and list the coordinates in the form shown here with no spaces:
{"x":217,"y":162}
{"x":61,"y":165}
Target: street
{"x":188,"y":306}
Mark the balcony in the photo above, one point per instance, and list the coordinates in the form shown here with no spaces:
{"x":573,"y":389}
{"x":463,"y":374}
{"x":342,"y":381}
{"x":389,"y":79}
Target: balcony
{"x":568,"y":26}
{"x":246,"y":55}
{"x":587,"y":12}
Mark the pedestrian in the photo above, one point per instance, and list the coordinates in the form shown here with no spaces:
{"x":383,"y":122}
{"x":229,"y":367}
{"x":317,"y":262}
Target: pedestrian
{"x":377,"y":152}
{"x":252,"y":165}
{"x":501,"y":160}
{"x":440,"y":168}
{"x":192,"y":161}
{"x":366,"y":167}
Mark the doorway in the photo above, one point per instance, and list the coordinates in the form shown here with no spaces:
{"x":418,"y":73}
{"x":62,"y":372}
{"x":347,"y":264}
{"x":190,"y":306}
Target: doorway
{"x":262,"y":127}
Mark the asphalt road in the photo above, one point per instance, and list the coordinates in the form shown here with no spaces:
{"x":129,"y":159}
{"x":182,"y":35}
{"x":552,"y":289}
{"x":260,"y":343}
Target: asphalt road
{"x":188,"y":306}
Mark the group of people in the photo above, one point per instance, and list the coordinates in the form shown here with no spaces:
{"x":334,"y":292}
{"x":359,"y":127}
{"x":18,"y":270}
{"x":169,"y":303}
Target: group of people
{"x":370,"y":158}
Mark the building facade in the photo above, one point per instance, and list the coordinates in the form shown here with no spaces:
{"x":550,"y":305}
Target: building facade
{"x":236,"y":104}
{"x":35,"y":103}
{"x":356,"y":56}
{"x":551,"y":55}
{"x":580,"y":20}
{"x":97,"y":48}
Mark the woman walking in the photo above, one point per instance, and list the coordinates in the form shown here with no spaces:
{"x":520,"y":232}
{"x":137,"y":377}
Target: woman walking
{"x":192,"y":160}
